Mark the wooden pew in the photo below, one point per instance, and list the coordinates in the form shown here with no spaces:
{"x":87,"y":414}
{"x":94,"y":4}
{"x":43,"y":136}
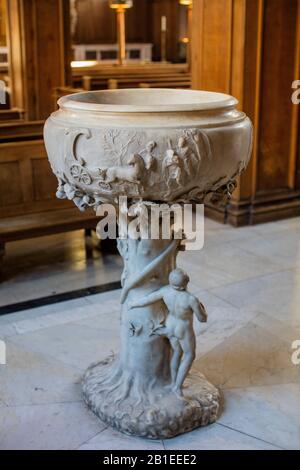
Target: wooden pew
{"x":11,"y":114}
{"x":110,"y":71}
{"x":165,"y":81}
{"x":99,"y":75}
{"x":28,"y":205}
{"x":95,"y":83}
{"x":177,"y":84}
{"x":4,"y":74}
{"x":171,"y":80}
{"x":15,"y":131}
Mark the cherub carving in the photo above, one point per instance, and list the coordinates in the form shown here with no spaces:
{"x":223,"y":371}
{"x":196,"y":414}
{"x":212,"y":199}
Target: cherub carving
{"x":172,"y":170}
{"x":178,"y":325}
{"x":149,"y":158}
{"x":188,"y":157}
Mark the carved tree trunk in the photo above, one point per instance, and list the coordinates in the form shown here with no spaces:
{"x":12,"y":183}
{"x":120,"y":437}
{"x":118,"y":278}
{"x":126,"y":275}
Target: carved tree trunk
{"x":133,"y":392}
{"x":147,"y":267}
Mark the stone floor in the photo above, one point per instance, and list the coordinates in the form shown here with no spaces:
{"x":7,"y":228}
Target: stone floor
{"x":55,"y":264}
{"x":249,"y":280}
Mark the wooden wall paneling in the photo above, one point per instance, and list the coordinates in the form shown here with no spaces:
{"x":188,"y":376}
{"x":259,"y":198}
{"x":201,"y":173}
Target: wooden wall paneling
{"x":197,"y":44}
{"x":238,"y":39}
{"x":27,"y":184}
{"x":216,"y":65}
{"x":10,"y":194}
{"x":170,"y":9}
{"x":96,"y":22}
{"x":295,"y":138}
{"x":277,"y":195}
{"x":17,"y":62}
{"x":2,"y":23}
{"x":274,"y":150}
{"x":39,"y":43}
{"x":173,"y":31}
{"x":264,"y":60}
{"x":26,"y":176}
{"x":297,"y":180}
{"x":44,"y":183}
{"x":65,"y":42}
{"x":246,"y":86}
{"x":212,"y":42}
{"x":138,"y":22}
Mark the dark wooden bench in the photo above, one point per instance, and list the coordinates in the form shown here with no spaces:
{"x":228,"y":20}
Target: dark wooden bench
{"x":96,"y":77}
{"x":28,"y":205}
{"x":177,"y":84}
{"x":22,"y":227}
{"x":11,"y":114}
{"x":45,"y":223}
{"x":133,"y":81}
{"x":15,"y":131}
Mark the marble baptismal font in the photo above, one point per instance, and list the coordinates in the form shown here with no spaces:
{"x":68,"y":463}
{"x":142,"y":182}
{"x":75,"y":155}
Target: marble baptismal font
{"x":155,"y":147}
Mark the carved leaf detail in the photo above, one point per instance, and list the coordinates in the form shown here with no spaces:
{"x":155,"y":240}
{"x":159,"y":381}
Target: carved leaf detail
{"x":115,"y":147}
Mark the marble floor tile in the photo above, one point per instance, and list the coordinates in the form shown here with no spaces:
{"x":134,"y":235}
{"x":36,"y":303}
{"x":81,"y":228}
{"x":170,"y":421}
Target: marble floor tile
{"x":52,"y":319}
{"x":109,"y":299}
{"x":201,"y":276}
{"x":223,"y":322}
{"x":212,"y":224}
{"x":7,"y":295}
{"x":251,"y":356}
{"x":7,"y":330}
{"x":216,"y":233}
{"x":97,"y":274}
{"x":83,"y":311}
{"x":71,"y":344}
{"x":25,"y":320}
{"x":51,"y":315}
{"x":67,"y":246}
{"x":277,"y":295}
{"x":209,"y":299}
{"x":216,"y":437}
{"x":215,"y":266}
{"x":53,"y":265}
{"x":279,"y":328}
{"x":109,"y":439}
{"x":29,"y":378}
{"x":282,"y":247}
{"x":226,"y":234}
{"x":47,"y":427}
{"x":270,"y":228}
{"x":34,"y":288}
{"x":271,"y":413}
{"x":252,"y":301}
{"x":78,"y":276}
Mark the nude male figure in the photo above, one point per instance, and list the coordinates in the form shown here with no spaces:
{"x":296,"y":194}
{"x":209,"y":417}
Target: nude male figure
{"x":178,"y":326}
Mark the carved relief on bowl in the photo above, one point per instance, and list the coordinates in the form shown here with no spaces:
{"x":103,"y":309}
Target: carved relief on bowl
{"x":155,"y":164}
